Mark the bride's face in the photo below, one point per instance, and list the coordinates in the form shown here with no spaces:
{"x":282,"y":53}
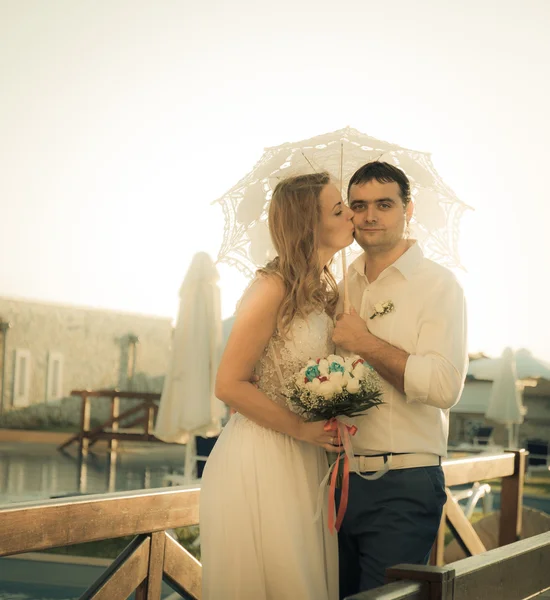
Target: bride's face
{"x":336,"y":227}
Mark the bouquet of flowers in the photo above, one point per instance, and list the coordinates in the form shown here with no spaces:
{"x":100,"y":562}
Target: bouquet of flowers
{"x":324,"y":390}
{"x":334,"y":386}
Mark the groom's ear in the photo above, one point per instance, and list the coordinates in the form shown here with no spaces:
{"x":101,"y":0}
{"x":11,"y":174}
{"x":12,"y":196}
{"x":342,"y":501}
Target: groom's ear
{"x":409,"y":210}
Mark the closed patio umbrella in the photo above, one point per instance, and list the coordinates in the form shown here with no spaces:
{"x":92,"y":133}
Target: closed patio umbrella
{"x":188,"y":407}
{"x":505,"y":401}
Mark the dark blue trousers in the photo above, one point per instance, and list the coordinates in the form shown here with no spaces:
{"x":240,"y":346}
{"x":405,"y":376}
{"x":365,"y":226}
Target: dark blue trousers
{"x":388,"y":521}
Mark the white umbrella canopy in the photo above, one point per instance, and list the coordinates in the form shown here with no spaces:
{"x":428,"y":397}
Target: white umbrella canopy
{"x":247,"y":244}
{"x":188,"y":406}
{"x":527,"y":367}
{"x":505,"y":400}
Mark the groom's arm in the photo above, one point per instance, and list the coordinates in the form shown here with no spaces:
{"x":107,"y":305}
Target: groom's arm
{"x":434,"y":373}
{"x":387,"y":360}
{"x":352,"y":334}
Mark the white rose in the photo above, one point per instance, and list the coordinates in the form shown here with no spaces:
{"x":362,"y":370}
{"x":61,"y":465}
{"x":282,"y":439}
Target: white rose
{"x":345,"y":379}
{"x":315,"y":385}
{"x":379,"y":307}
{"x":323,"y":367}
{"x":358,"y":371}
{"x":310,"y":363}
{"x":326,"y":389}
{"x":353,"y":386}
{"x":336,"y":377}
{"x":337,"y":380}
{"x":335,"y":358}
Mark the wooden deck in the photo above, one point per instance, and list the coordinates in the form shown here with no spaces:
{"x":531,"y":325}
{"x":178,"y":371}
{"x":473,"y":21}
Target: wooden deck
{"x":515,"y":571}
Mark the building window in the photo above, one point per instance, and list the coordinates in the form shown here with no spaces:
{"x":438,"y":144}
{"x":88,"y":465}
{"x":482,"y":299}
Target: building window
{"x":22,"y":378}
{"x":54,"y":382}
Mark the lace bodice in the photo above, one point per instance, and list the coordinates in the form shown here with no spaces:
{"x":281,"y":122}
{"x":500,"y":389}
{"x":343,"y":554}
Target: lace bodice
{"x":309,"y":338}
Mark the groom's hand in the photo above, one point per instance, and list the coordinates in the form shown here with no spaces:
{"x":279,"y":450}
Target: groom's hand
{"x":350,"y":332}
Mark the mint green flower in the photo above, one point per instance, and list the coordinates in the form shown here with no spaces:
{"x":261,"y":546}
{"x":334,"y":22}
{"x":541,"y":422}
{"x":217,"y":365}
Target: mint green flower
{"x":336,"y":367}
{"x":312,"y":372}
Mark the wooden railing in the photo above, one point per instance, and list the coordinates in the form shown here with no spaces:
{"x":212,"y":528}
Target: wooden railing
{"x":515,"y":572}
{"x":152,"y":556}
{"x":510,"y":468}
{"x":144,"y":415}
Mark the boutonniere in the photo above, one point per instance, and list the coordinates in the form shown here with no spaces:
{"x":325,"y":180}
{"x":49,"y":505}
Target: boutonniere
{"x":383,"y":308}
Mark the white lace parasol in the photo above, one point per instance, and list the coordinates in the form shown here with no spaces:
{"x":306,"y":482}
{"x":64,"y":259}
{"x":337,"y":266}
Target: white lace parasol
{"x":246,"y":242}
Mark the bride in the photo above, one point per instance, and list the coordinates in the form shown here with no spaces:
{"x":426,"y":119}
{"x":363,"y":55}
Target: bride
{"x":259,"y":489}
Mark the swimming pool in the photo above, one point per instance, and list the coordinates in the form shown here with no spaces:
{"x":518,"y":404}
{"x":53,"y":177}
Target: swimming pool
{"x":35,"y":471}
{"x":39,"y":471}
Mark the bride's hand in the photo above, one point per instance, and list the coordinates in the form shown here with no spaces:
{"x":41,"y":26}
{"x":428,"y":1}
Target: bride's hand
{"x":314,"y":433}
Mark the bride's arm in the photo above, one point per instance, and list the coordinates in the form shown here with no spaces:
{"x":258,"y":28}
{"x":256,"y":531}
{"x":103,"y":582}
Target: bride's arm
{"x":255,"y":323}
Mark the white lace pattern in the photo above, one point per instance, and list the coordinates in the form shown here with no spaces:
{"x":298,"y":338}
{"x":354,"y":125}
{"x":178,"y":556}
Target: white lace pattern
{"x":307,"y":339}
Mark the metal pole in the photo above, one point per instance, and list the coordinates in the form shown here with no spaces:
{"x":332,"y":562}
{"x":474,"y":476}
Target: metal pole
{"x":190,"y":459}
{"x":133,"y":340}
{"x":510,"y":428}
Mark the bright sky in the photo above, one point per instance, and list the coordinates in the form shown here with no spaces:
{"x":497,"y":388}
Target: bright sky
{"x":121,"y":121}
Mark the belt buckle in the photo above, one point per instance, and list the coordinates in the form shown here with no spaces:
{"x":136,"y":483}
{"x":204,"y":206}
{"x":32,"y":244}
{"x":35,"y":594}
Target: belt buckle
{"x":384,"y":458}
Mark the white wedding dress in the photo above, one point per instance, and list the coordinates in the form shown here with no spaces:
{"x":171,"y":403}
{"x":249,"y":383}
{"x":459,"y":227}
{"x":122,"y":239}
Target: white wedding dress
{"x":259,"y":540}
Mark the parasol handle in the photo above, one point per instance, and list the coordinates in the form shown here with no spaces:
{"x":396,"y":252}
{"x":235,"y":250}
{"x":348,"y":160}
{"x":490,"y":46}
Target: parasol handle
{"x":346,"y":286}
{"x":344,"y":265}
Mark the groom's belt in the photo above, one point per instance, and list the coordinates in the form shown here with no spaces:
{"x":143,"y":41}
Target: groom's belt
{"x":398,"y":461}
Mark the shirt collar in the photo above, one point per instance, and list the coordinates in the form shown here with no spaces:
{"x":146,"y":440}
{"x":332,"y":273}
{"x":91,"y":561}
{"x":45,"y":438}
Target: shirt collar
{"x":406,"y":264}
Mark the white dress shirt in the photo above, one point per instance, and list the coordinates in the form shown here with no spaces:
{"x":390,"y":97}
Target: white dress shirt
{"x":429,"y":323}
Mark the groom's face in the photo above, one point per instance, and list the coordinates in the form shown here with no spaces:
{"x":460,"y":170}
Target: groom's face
{"x":379,"y":217}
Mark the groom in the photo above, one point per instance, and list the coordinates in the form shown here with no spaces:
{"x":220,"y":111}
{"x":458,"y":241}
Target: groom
{"x":409,"y":324}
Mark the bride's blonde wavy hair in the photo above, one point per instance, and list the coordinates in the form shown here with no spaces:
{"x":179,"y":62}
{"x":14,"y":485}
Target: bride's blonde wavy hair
{"x":294,"y":218}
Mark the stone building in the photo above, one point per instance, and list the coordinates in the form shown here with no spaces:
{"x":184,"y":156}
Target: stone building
{"x":47,"y":350}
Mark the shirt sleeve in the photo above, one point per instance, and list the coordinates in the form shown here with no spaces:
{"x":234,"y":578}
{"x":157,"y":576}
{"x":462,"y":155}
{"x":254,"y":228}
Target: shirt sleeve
{"x":435,"y":373}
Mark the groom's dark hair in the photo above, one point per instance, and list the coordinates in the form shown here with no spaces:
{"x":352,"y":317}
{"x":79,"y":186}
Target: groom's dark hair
{"x":383,"y":172}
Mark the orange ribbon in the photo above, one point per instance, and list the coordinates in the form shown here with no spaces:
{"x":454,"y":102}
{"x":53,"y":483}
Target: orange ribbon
{"x":343,"y":436}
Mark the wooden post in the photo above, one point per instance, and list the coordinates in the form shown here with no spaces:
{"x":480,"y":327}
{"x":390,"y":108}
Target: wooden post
{"x":156,"y":565}
{"x":439,"y":581}
{"x":115,"y":413}
{"x":82,"y":475}
{"x":111,"y":471}
{"x":84,"y":424}
{"x":150,"y":422}
{"x":511,"y":501}
{"x":438,"y":551}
